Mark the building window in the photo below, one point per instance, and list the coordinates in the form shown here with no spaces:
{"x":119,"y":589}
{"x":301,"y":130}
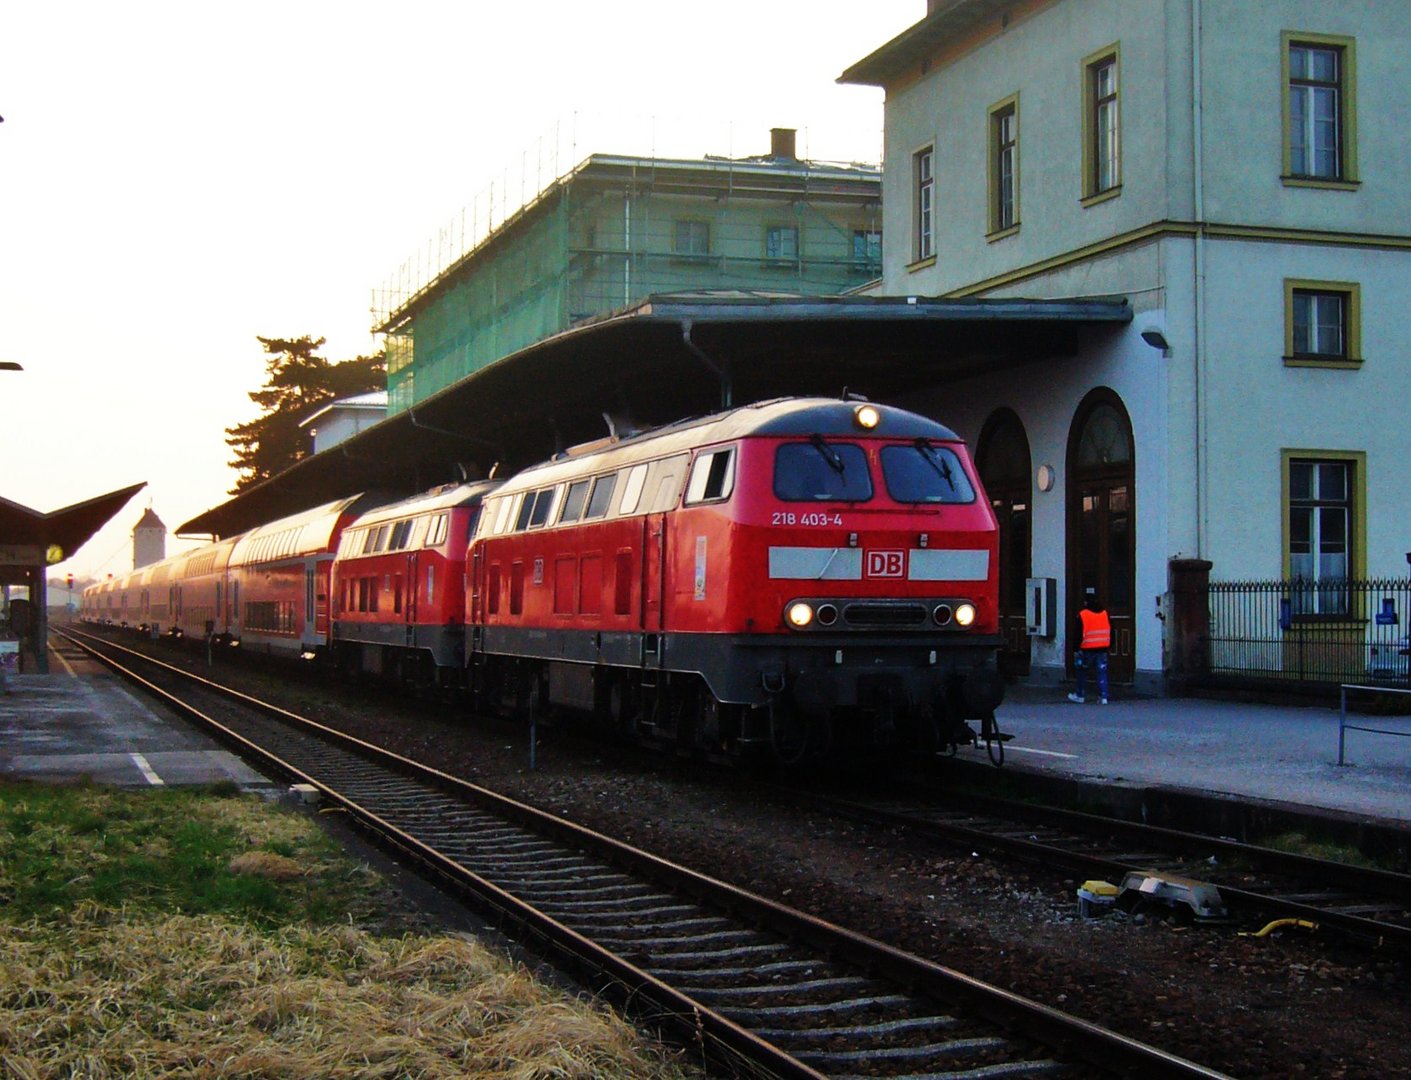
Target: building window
{"x":1322,"y":324}
{"x":1319,"y":143}
{"x":1004,"y":167}
{"x":781,"y":242}
{"x":1102,"y":140}
{"x":867,"y":247}
{"x":1322,"y":525}
{"x":691,"y":238}
{"x":924,"y":181}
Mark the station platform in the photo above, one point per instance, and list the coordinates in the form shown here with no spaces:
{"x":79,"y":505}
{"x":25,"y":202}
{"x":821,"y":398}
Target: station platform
{"x":1279,"y":754}
{"x":79,"y":722}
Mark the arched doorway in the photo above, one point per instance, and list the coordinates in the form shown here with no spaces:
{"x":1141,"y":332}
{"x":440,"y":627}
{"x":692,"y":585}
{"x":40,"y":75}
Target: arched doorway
{"x":1102,"y":522}
{"x":1002,"y":457}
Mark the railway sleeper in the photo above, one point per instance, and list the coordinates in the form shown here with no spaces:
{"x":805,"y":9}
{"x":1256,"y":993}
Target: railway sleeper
{"x":955,"y":1048}
{"x":723,"y":995}
{"x":759,"y":1016}
{"x":704,"y":976}
{"x":882,"y":1029}
{"x":670,"y":944}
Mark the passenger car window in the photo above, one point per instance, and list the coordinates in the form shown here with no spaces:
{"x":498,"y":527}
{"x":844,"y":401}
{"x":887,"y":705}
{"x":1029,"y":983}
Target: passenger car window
{"x":925,"y":473}
{"x":821,"y":471}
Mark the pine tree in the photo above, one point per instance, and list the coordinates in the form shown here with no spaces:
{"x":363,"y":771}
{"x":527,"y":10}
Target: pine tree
{"x":298,"y":383}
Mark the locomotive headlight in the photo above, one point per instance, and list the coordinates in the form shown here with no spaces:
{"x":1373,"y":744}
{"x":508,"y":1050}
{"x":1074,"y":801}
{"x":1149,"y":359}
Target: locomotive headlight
{"x":965,"y":614}
{"x":799,"y":615}
{"x":867,"y":416}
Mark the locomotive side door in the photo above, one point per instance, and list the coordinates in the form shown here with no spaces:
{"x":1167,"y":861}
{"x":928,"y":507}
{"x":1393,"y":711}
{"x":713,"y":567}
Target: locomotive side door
{"x":409,"y":595}
{"x":653,"y":589}
{"x":653,"y":571}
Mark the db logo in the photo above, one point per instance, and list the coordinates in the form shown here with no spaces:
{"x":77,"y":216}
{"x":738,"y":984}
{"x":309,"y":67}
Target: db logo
{"x":886,"y":563}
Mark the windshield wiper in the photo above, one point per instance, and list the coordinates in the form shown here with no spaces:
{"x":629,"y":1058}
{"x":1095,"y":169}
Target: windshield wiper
{"x":831,"y":456}
{"x":929,"y":455}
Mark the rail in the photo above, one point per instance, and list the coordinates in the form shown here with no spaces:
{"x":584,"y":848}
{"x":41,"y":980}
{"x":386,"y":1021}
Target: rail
{"x":1344,"y":727}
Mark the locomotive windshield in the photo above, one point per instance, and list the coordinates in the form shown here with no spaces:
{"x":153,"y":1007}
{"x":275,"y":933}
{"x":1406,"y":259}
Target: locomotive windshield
{"x":925,"y":473}
{"x":821,"y":471}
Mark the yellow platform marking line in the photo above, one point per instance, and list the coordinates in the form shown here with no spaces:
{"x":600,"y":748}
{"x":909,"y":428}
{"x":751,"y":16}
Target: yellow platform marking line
{"x":66,"y":665}
{"x":147,"y":770}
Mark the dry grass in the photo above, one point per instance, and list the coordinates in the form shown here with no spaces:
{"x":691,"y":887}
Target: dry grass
{"x":95,"y":990}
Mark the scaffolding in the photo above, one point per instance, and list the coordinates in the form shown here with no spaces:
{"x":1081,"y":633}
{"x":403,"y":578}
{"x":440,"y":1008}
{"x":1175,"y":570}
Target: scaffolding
{"x":611,"y":231}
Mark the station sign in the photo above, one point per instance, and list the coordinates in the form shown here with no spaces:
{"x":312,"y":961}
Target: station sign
{"x":21,"y":555}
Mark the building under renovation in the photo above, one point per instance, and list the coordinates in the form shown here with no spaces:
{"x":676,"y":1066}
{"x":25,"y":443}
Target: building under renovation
{"x":614,"y":230}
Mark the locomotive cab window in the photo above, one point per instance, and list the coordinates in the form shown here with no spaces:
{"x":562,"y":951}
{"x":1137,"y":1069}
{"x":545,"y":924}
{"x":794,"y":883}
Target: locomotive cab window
{"x":543,"y":507}
{"x":925,"y":473}
{"x":601,"y":498}
{"x":712,"y":476}
{"x":504,"y":514}
{"x":526,"y":507}
{"x":821,"y":471}
{"x":573,"y":502}
{"x":632,"y":489}
{"x":436,"y":532}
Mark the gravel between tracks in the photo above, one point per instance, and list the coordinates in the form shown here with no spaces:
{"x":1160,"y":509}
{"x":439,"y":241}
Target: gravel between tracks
{"x":1274,"y":1007}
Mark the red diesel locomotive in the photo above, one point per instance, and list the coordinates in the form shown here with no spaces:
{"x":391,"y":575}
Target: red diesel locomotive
{"x":778,"y":579}
{"x":399,"y":587}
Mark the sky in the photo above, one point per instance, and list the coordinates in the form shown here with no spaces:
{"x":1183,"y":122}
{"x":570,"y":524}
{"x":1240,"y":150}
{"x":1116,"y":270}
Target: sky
{"x":178,"y":178}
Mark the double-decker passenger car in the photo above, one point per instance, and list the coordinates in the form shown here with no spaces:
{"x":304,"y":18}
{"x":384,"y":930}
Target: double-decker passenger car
{"x":399,"y":587}
{"x":266,"y":589}
{"x":279,"y":577}
{"x":777,"y":578}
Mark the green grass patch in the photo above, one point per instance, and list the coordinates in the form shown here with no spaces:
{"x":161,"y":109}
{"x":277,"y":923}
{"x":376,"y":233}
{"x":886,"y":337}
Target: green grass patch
{"x":163,"y":849}
{"x":1296,"y":843}
{"x":177,"y":933}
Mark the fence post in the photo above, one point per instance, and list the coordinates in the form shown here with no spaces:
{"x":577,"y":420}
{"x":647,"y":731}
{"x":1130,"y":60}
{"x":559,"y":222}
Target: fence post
{"x":1342,"y":721}
{"x":1189,"y":628}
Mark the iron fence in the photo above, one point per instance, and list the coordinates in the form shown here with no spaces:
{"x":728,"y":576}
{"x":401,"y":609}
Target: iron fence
{"x":1328,"y":631}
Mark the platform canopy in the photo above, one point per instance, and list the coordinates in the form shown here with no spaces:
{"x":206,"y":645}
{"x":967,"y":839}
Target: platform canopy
{"x":31,"y":539}
{"x":669,"y":357}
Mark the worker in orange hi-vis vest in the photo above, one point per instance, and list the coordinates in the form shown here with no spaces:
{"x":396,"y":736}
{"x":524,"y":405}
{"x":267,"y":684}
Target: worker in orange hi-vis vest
{"x":1095,"y":638}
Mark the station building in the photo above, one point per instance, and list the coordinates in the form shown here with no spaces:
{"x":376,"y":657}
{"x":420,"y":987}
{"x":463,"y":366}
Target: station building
{"x":1240,"y":174}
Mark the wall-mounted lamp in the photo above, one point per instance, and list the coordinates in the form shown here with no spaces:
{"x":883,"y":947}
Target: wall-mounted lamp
{"x":1045,"y":478}
{"x":1157,"y":340}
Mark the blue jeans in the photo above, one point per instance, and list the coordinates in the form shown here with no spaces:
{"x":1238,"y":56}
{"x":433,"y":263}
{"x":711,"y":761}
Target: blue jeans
{"x":1097,"y":660}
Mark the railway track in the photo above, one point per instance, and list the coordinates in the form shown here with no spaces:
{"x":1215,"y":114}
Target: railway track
{"x":759,"y":988}
{"x":1362,"y":904}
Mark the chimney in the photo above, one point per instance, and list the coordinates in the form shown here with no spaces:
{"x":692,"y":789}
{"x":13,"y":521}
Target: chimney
{"x":781,"y":143}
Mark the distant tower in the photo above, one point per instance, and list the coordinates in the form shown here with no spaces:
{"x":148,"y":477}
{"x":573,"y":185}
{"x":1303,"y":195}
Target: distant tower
{"x":149,"y":540}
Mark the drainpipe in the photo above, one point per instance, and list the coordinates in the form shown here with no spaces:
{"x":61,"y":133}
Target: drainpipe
{"x":720,"y":372}
{"x":1198,"y":185}
{"x":627,"y":247}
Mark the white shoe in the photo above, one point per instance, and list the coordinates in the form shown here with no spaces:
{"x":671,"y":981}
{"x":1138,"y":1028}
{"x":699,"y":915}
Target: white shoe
{"x":1076,"y":700}
{"x":1103,"y":701}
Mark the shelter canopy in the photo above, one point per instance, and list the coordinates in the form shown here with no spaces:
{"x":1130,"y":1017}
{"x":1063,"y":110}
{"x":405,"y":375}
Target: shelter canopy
{"x":30,"y":538}
{"x":669,"y":357}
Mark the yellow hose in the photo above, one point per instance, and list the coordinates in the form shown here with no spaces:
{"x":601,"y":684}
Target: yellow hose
{"x":1279,"y":924}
